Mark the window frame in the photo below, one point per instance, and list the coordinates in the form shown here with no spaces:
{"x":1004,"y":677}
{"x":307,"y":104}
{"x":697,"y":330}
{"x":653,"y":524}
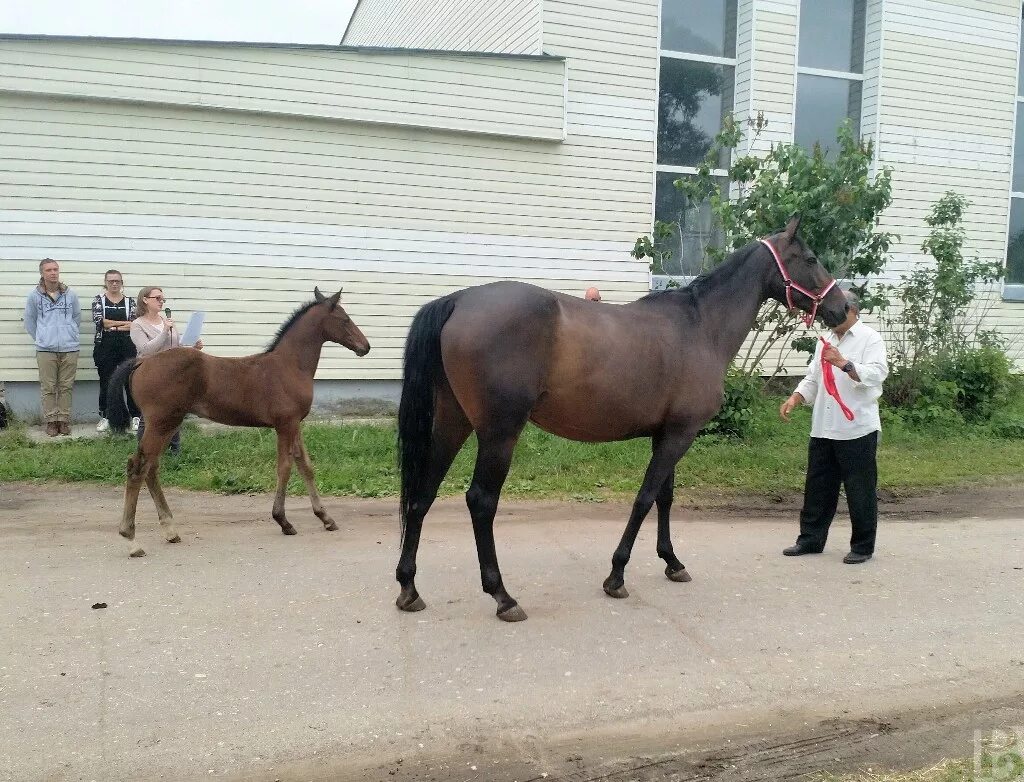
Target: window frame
{"x":661,"y":281}
{"x":827,"y":73}
{"x":1014,"y":291}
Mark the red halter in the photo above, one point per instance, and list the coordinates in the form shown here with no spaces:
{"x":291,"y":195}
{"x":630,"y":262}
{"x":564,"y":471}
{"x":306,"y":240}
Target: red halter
{"x":807,"y":318}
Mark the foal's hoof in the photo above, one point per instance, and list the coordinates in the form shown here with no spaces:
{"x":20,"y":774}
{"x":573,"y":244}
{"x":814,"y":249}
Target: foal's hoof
{"x":513,"y":614}
{"x":126,"y":533}
{"x":288,"y":529}
{"x":331,"y":527}
{"x":175,"y":538}
{"x":678,"y":575}
{"x":137,"y":551}
{"x":410,"y":602}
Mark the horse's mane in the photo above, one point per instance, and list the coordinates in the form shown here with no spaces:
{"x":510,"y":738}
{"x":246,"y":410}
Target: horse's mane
{"x":292,"y":320}
{"x":721,"y":275}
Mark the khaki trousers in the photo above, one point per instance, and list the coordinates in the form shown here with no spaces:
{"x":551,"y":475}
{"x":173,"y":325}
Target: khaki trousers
{"x":56,"y":379}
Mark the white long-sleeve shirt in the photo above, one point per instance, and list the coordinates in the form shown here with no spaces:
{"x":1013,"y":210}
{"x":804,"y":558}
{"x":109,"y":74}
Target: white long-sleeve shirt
{"x":865,"y":348}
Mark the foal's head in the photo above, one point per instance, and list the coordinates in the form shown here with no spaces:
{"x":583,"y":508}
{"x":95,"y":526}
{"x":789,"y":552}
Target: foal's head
{"x":337,"y":326}
{"x":801,"y":265}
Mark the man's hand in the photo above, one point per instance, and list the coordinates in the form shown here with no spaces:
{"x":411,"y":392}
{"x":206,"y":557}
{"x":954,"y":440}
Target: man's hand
{"x":788,"y":406}
{"x":833,"y":356}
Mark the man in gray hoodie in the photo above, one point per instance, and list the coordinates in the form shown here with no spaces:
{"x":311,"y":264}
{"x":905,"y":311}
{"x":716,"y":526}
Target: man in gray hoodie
{"x":52,"y":314}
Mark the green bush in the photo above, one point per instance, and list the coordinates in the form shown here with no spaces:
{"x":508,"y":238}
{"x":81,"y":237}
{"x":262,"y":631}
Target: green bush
{"x":742,"y":394}
{"x":982,"y":378}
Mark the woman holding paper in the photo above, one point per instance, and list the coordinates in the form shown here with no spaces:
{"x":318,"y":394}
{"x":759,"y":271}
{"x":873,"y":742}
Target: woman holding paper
{"x":153,"y":331}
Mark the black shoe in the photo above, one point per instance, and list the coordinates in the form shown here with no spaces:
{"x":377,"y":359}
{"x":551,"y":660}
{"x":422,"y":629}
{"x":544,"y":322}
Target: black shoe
{"x":799,"y":549}
{"x":853,"y":558}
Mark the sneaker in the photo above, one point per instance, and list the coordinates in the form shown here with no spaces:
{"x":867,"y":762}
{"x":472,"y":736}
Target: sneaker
{"x":103,"y":425}
{"x":52,"y":429}
{"x":135,"y":424}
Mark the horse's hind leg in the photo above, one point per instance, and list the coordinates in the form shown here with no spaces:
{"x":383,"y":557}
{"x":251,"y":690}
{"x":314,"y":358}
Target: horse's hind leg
{"x":285,"y":438}
{"x":306,"y":471}
{"x":494,"y":458}
{"x":674,"y":569}
{"x":133,"y":485}
{"x":668,"y":450}
{"x":451,"y":428}
{"x":163,"y":510}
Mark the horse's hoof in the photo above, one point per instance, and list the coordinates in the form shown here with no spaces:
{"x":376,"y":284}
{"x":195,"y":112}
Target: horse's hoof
{"x":289,"y":530}
{"x":680,"y":575}
{"x":176,"y":538}
{"x":125,"y":533}
{"x":513,"y":614}
{"x":137,"y":551}
{"x":332,"y":527}
{"x":617,"y":592}
{"x":404,"y":604}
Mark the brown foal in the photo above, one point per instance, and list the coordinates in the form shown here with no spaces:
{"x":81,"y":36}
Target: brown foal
{"x":273,"y":389}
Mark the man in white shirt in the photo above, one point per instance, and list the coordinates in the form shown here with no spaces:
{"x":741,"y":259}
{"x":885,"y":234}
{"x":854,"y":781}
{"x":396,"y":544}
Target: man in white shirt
{"x":842,"y":451}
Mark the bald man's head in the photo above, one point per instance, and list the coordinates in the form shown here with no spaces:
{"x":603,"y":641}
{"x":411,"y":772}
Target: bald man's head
{"x":592,"y":294}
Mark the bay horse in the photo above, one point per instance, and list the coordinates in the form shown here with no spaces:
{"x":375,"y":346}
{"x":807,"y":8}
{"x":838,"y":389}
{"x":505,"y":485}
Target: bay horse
{"x":273,"y":389}
{"x":490,"y":358}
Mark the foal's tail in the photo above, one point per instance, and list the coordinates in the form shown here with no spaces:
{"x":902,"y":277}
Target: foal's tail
{"x":117,"y":407}
{"x":423,"y":371}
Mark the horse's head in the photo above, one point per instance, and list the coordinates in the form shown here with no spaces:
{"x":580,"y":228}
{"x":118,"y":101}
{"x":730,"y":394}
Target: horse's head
{"x":801,"y":281}
{"x":338,"y":326}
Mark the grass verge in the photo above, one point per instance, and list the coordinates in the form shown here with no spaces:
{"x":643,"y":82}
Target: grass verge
{"x":359,"y":460}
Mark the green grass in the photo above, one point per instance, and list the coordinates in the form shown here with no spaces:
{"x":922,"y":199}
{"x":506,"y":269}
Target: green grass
{"x":359,"y":460}
{"x":946,"y":771}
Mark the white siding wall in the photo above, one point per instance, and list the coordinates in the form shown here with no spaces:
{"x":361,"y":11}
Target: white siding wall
{"x":947,"y":124}
{"x":775,"y":37}
{"x":242,"y":213}
{"x":510,"y":96}
{"x":502,"y":26}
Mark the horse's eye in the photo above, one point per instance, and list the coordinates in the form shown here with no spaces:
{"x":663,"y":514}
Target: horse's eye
{"x":811,"y":259}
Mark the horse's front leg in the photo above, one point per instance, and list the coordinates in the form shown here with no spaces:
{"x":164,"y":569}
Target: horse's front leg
{"x":674,"y":569}
{"x":301,"y":456}
{"x":285,"y":439}
{"x":668,"y":450}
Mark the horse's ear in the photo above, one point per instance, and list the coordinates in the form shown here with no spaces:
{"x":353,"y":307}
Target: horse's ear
{"x":318,"y":295}
{"x":792,"y":226}
{"x":333,"y":301}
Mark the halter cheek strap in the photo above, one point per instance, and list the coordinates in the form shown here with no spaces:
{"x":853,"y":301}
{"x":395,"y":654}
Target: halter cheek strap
{"x":816,"y":298}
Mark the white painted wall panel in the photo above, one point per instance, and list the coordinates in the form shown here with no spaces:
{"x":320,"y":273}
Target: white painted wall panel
{"x":500,"y":26}
{"x":503,"y":96}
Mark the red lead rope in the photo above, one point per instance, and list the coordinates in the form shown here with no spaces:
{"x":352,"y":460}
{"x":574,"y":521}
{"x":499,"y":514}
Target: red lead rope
{"x":830,"y":380}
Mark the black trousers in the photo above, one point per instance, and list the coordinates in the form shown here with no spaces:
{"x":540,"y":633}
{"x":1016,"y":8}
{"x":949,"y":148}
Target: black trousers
{"x":852,"y":464}
{"x":115,"y":347}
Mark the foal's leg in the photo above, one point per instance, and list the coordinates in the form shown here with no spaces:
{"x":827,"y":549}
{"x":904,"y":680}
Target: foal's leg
{"x":493,"y":460}
{"x":674,"y":569}
{"x":306,"y":470}
{"x":451,"y":428}
{"x":285,"y":438}
{"x":133,"y":485}
{"x":668,"y":450}
{"x":143,"y":466}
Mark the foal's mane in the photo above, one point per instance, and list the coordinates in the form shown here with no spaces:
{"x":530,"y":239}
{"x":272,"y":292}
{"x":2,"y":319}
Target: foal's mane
{"x":292,"y":320}
{"x":722,"y":275}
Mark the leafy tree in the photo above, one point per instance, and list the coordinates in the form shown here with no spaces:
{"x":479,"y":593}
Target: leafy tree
{"x":835,"y":192}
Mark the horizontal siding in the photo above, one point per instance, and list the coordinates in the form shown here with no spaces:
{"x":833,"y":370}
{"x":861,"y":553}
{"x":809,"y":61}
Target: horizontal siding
{"x":251,"y":210}
{"x":504,"y":96}
{"x":947,"y":124}
{"x":775,"y":70}
{"x":249,"y":275}
{"x":500,"y":26}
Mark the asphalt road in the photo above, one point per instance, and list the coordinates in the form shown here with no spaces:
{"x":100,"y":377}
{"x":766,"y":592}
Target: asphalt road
{"x":243,"y":654}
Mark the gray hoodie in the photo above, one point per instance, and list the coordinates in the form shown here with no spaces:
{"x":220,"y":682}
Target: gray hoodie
{"x":53,"y":324}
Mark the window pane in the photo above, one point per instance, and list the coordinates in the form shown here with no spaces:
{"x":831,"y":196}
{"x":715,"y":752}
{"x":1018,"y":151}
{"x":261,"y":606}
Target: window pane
{"x":692,"y":100}
{"x":695,"y":230}
{"x":1015,"y":252}
{"x":699,"y":26}
{"x":832,"y":35}
{"x":822,"y":103}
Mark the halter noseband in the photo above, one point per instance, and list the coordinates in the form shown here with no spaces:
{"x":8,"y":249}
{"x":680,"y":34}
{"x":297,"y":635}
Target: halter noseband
{"x":807,"y":318}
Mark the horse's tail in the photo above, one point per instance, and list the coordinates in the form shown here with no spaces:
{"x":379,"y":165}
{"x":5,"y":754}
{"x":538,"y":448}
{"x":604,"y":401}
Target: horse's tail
{"x":117,"y":407}
{"x":422,"y":373}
